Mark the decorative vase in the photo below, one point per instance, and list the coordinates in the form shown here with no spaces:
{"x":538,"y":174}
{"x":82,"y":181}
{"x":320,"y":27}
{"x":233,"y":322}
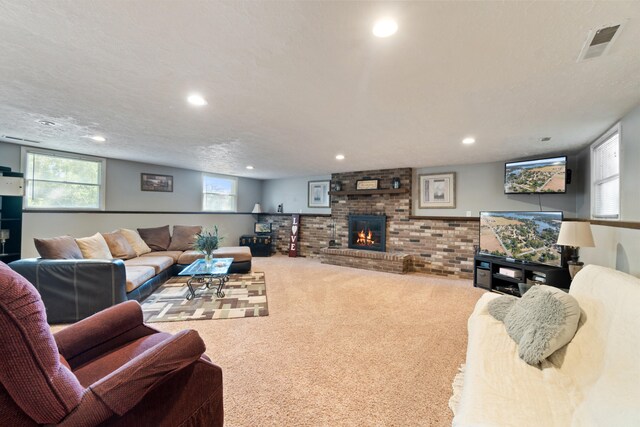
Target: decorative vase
{"x":395,"y":183}
{"x":208,"y":260}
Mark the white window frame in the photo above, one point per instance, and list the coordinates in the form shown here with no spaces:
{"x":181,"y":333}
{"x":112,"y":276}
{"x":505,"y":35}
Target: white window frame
{"x":235,"y":195}
{"x":103,"y":176}
{"x":616,"y":129}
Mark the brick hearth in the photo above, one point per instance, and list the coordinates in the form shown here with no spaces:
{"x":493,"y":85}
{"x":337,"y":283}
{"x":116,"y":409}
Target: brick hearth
{"x":369,"y":260}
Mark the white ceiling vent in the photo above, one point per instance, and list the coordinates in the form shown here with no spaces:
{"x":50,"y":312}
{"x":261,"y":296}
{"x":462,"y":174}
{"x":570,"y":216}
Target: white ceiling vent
{"x":599,"y":41}
{"x":16,"y":138}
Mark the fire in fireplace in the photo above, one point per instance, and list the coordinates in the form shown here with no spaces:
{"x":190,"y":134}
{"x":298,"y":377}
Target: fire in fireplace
{"x":367,"y":232}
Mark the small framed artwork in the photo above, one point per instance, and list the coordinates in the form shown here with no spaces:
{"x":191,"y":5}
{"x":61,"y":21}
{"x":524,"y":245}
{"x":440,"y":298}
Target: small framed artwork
{"x":318,"y":196}
{"x":367,"y":184}
{"x":154,"y":182}
{"x":437,"y":190}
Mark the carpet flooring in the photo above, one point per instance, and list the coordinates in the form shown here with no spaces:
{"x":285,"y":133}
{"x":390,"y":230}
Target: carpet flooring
{"x":245,"y":296}
{"x":341,"y":347}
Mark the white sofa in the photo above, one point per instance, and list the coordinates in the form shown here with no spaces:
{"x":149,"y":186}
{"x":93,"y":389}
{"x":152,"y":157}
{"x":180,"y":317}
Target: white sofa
{"x":592,"y":381}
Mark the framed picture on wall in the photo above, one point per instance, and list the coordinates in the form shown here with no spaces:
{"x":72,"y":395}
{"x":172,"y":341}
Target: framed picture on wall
{"x":437,"y":190}
{"x":318,"y":195}
{"x":154,"y":182}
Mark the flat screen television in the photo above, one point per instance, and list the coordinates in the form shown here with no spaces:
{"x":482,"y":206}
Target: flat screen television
{"x":523,"y":236}
{"x":536,"y":176}
{"x":262,"y":228}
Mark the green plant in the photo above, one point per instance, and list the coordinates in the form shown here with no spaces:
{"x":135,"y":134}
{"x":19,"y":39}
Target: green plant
{"x":207,"y":241}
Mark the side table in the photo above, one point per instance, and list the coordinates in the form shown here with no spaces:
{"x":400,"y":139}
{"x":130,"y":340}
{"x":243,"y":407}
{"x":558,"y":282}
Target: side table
{"x":260,"y":244}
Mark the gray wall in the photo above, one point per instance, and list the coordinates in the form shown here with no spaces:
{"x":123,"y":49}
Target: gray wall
{"x":629,"y":171}
{"x":123,"y":194}
{"x":480,"y":187}
{"x":292,"y":192}
{"x":616,"y":247}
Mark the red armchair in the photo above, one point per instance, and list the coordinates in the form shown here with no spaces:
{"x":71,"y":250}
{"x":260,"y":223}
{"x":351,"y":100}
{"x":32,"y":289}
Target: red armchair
{"x":108,"y":369}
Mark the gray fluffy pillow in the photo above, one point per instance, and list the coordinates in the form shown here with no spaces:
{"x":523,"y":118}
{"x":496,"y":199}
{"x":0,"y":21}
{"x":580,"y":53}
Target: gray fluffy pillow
{"x":544,"y":320}
{"x":499,"y":307}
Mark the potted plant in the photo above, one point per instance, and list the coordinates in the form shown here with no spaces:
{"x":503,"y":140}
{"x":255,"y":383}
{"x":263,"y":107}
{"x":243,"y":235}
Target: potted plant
{"x":207,"y":242}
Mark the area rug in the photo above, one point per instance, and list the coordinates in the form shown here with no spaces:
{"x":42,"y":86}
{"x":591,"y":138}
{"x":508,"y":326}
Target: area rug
{"x":245,"y":296}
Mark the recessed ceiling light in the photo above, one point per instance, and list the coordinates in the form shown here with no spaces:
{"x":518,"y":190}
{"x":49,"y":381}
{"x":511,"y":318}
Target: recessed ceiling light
{"x":468,"y":141}
{"x":47,"y":123}
{"x":385,"y":27}
{"x":98,"y":138}
{"x":197,"y":100}
{"x":250,"y":167}
{"x":340,"y":157}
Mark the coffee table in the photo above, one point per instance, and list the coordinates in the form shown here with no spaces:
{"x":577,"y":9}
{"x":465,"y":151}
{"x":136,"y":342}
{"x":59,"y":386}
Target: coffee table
{"x":201,"y":272}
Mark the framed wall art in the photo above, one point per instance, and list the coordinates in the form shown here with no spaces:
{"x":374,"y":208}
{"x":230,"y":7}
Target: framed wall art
{"x":154,"y":182}
{"x":318,"y":196}
{"x":437,"y":190}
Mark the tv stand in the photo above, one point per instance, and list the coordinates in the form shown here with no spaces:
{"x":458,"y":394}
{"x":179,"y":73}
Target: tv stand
{"x":486,"y":274}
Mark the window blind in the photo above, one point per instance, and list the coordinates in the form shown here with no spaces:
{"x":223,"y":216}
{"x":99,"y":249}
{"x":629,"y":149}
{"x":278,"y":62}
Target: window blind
{"x":606,"y":178}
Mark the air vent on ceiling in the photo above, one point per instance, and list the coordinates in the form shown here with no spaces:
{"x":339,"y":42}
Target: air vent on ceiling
{"x":599,"y":42}
{"x":15,"y":138}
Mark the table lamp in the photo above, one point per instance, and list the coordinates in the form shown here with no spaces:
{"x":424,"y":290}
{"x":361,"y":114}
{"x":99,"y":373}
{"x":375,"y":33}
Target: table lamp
{"x":575,"y":234}
{"x":4,"y":236}
{"x":257,"y":209}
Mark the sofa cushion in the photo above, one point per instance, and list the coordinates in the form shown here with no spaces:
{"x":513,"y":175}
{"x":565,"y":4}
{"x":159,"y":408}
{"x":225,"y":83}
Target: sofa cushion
{"x":542,"y":321}
{"x":63,"y":247}
{"x":137,"y":275}
{"x":183,"y":237}
{"x":119,"y":246}
{"x":135,"y":241}
{"x":238,"y":253}
{"x":175,"y":255}
{"x":157,"y":238}
{"x":94,"y":247}
{"x":188,"y":257}
{"x":159,"y":263}
{"x":500,"y":389}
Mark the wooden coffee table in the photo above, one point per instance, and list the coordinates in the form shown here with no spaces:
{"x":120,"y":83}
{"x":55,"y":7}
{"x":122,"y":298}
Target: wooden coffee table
{"x":201,"y":272}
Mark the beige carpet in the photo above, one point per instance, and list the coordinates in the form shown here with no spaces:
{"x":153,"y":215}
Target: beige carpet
{"x":342,"y":347}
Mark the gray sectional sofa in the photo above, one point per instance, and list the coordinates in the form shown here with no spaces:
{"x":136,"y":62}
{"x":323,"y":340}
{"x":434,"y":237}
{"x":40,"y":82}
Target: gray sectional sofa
{"x":73,"y":289}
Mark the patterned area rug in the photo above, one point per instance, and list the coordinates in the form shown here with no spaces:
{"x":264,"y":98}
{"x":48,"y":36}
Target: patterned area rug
{"x":245,"y":296}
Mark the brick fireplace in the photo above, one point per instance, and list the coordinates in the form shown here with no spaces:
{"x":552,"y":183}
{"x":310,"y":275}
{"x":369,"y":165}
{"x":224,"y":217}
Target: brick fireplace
{"x":435,"y":245}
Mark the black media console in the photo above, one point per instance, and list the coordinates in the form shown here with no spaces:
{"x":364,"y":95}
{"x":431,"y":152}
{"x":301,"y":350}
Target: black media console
{"x":486,"y":274}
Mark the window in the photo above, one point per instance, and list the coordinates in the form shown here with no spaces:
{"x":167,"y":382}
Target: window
{"x":219,"y":193}
{"x":63,"y":181}
{"x":605,"y":176}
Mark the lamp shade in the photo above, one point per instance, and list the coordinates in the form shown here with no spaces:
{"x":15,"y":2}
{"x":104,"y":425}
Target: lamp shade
{"x":257,"y":208}
{"x":576,"y":234}
{"x":4,"y":234}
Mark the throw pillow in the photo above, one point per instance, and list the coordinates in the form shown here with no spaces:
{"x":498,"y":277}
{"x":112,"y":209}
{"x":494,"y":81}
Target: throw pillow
{"x":118,"y":245}
{"x":158,"y":238}
{"x":135,"y":241}
{"x":63,"y":247}
{"x":184,"y":236}
{"x":499,"y":307}
{"x":544,"y":320}
{"x":94,"y":247}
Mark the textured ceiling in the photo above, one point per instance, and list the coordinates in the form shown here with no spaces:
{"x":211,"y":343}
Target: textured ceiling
{"x":292,"y":84}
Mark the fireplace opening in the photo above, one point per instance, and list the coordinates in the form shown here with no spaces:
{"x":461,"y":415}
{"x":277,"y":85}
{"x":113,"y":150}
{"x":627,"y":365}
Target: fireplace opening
{"x":368,"y":232}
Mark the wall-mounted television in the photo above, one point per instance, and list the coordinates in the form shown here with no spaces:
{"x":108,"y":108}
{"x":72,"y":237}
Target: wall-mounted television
{"x":262,"y":228}
{"x":523,"y":236}
{"x":536,"y":176}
